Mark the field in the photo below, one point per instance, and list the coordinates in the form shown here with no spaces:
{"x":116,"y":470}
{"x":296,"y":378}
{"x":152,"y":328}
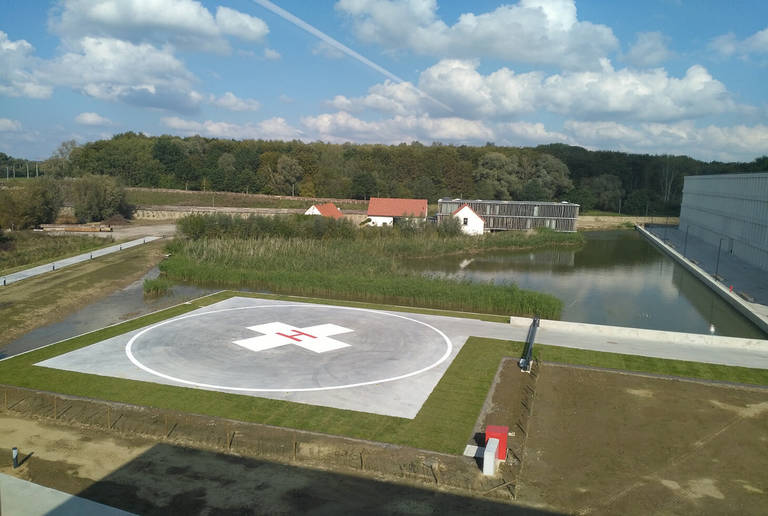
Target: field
{"x":23,"y":249}
{"x":160,"y":197}
{"x":461,"y":391}
{"x":587,"y":440}
{"x":613,"y":443}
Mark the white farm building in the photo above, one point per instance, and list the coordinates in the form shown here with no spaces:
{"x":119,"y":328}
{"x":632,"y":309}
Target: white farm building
{"x":470,"y":222}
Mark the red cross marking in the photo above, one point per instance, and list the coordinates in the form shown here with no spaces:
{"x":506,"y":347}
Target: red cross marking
{"x":295,"y":335}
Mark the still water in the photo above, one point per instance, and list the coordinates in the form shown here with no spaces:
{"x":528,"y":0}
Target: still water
{"x":119,"y":306}
{"x":616,"y":278}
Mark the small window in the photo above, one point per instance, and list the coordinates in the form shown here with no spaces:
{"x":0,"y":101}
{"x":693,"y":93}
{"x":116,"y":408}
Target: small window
{"x":466,"y":221}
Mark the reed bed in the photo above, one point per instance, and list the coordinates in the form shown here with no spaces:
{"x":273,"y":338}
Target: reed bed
{"x":332,"y":259}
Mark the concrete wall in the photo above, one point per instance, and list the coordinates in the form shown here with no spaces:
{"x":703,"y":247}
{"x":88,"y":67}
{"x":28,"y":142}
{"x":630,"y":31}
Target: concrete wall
{"x":381,"y":221}
{"x":732,"y":208}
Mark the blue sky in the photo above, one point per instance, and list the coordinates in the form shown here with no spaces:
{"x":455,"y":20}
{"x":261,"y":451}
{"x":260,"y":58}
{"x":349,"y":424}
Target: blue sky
{"x":661,"y":76}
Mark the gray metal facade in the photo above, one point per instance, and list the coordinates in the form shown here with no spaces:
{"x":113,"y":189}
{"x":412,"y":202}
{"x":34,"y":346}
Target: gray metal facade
{"x":729,"y":210}
{"x":516,"y":215}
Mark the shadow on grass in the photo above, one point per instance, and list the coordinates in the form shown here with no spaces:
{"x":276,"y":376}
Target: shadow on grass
{"x":169,"y":479}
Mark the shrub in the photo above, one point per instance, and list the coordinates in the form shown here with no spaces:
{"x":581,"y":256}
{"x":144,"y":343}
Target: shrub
{"x":37,"y":202}
{"x":98,"y":198}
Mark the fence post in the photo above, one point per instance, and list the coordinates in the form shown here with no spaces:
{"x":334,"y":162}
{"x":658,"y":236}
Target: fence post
{"x":109,"y":417}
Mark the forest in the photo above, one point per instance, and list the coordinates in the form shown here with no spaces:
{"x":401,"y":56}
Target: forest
{"x":598,"y":180}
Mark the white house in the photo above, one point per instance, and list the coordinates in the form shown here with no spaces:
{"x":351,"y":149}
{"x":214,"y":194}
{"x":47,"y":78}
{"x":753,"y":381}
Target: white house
{"x":471,"y":223}
{"x":384,"y":211}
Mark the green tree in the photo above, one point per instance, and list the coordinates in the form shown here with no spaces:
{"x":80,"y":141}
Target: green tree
{"x":37,"y":202}
{"x":98,"y":198}
{"x":289,"y":173}
{"x":607,"y":191}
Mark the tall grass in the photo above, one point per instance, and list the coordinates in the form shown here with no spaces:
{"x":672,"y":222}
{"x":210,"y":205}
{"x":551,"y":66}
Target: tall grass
{"x":28,"y":248}
{"x":332,"y":259}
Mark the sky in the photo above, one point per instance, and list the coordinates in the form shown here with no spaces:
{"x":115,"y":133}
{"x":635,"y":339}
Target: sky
{"x":656,"y":77}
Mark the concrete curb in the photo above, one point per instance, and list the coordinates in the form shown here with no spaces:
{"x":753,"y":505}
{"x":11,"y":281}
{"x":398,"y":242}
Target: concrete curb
{"x":742,"y":306}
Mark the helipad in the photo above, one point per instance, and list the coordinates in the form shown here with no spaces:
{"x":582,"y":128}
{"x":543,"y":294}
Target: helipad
{"x":366,"y":360}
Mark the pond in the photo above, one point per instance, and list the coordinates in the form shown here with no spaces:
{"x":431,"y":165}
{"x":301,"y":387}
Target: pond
{"x":617,"y":278}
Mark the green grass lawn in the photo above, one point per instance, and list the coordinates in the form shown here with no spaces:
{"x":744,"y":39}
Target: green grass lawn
{"x":445,"y":422}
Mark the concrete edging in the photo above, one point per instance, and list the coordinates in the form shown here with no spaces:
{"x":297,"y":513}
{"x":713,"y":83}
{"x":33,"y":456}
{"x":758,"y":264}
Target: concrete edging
{"x":735,"y":301}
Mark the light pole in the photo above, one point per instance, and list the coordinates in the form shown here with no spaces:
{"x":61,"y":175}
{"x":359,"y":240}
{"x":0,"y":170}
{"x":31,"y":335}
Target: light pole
{"x":717,"y":263}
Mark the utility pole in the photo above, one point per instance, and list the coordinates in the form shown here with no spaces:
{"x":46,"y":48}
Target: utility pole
{"x":27,"y":169}
{"x":36,"y":173}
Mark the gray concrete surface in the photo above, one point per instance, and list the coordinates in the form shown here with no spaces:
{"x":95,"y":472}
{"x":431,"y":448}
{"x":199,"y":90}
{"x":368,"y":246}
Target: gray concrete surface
{"x":392,"y":363}
{"x":19,"y":497}
{"x":65,"y":262}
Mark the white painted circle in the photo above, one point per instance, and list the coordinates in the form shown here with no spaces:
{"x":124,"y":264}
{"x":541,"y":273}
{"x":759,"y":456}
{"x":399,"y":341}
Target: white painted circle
{"x":137,"y":363}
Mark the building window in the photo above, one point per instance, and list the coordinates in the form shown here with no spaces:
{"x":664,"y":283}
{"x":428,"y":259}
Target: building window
{"x":466,"y":221}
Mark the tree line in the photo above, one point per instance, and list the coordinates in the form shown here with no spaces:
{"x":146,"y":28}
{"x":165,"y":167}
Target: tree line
{"x":611,"y":181}
{"x":38,"y":201}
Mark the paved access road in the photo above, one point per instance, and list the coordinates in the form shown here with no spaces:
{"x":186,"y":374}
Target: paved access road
{"x":59,"y":264}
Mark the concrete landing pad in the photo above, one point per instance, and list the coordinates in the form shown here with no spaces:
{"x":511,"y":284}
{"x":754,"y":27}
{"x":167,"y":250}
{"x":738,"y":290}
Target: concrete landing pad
{"x":365,"y":360}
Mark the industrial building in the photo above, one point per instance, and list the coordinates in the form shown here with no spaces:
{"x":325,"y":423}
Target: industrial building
{"x":515,"y":215}
{"x":729,"y":211}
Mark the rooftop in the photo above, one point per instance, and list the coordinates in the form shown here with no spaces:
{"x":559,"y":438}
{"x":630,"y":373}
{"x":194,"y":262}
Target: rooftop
{"x":393,"y":207}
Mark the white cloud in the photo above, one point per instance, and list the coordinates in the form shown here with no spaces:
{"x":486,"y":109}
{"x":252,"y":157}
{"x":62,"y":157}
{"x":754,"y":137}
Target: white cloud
{"x":527,"y":133}
{"x":614,"y":94}
{"x":285,"y":99}
{"x":92,"y":119}
{"x":239,"y":24}
{"x":16,"y":65}
{"x":729,"y":44}
{"x":531,"y":31}
{"x":269,"y":129}
{"x":233,"y":103}
{"x":321,"y":48}
{"x":649,"y":49}
{"x":8,"y":125}
{"x":184,"y":23}
{"x":342,"y":126}
{"x":112,"y":69}
{"x":726,"y":143}
{"x":271,"y":54}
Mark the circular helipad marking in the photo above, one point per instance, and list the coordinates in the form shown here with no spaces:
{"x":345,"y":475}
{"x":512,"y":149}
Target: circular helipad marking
{"x":129,"y":351}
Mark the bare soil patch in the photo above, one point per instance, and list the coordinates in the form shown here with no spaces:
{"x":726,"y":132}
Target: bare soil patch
{"x":143,"y":476}
{"x":608,"y":442}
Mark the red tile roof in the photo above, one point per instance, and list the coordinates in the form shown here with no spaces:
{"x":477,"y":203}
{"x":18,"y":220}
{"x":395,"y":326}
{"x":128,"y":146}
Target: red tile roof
{"x":329,"y":210}
{"x":386,"y":207}
{"x":470,"y":209}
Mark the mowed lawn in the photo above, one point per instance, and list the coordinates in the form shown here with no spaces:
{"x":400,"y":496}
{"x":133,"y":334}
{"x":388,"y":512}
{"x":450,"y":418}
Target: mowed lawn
{"x":445,"y":422}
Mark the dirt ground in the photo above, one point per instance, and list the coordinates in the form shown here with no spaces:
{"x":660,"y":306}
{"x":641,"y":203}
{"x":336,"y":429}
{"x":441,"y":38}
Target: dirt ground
{"x":146,"y":477}
{"x":509,"y":404}
{"x":606,"y":442}
{"x":50,"y":297}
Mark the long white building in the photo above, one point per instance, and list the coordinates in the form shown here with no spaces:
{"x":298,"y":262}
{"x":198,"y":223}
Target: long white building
{"x":730,"y":210}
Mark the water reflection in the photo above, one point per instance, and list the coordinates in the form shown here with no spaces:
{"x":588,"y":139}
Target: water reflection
{"x":616,"y":278}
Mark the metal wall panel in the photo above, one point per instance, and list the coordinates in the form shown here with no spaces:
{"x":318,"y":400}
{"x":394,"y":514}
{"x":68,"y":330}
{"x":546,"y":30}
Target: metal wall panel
{"x":516,"y":215}
{"x":732,"y":207}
